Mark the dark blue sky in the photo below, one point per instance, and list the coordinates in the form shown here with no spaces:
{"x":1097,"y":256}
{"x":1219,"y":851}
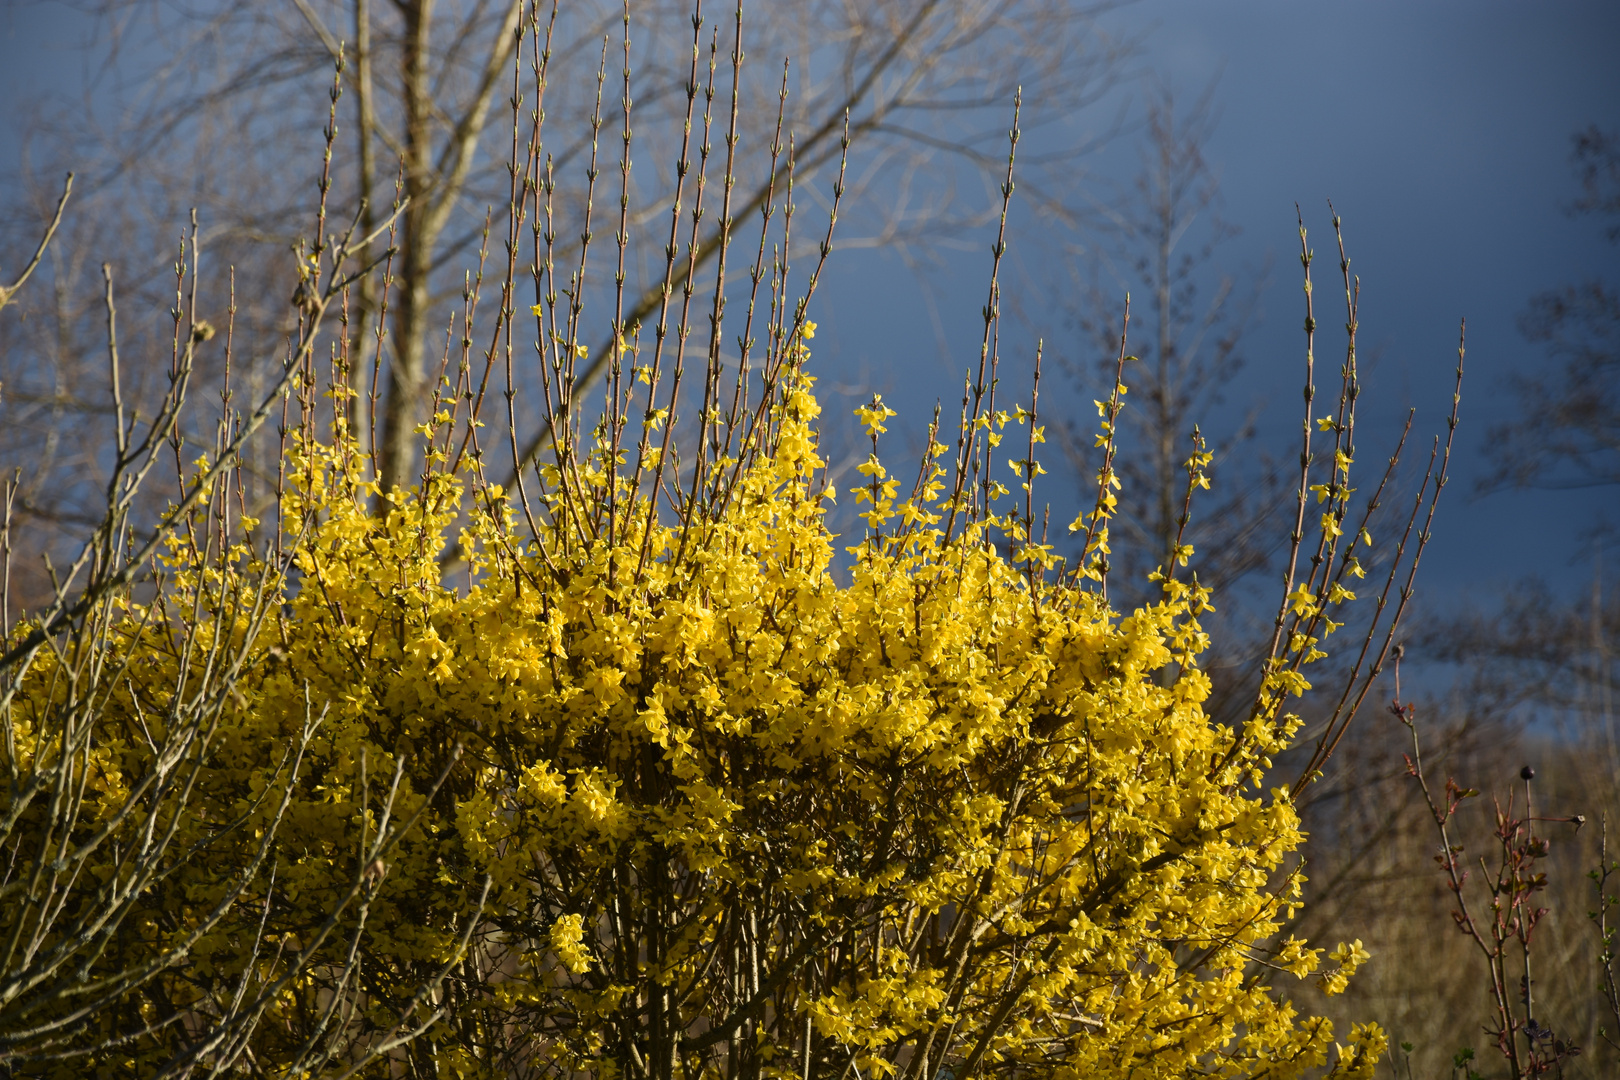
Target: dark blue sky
{"x":1442,"y":133}
{"x":1440,"y":130}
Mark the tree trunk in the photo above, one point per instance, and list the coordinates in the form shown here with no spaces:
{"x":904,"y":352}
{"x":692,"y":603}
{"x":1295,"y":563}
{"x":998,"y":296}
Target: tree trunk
{"x":407,"y":375}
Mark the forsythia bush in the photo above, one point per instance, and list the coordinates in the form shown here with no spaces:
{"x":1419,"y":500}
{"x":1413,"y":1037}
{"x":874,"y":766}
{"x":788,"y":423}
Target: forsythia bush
{"x":738,"y":816}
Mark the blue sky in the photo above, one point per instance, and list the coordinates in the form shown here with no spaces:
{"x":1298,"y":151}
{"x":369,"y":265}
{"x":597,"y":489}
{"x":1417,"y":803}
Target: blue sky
{"x":1442,"y":133}
{"x":1440,"y":130}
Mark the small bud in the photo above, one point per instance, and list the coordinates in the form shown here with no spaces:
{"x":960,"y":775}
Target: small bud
{"x":202,"y":330}
{"x":1527,"y":773}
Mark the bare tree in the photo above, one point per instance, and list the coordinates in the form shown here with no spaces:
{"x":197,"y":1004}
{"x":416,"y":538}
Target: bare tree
{"x":1539,"y":650}
{"x":1567,"y":433}
{"x":214,"y":121}
{"x":1160,"y":244}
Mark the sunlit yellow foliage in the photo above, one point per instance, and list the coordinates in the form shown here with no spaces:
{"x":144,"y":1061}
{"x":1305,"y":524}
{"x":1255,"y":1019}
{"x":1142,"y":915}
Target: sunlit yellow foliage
{"x":745,"y":812}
